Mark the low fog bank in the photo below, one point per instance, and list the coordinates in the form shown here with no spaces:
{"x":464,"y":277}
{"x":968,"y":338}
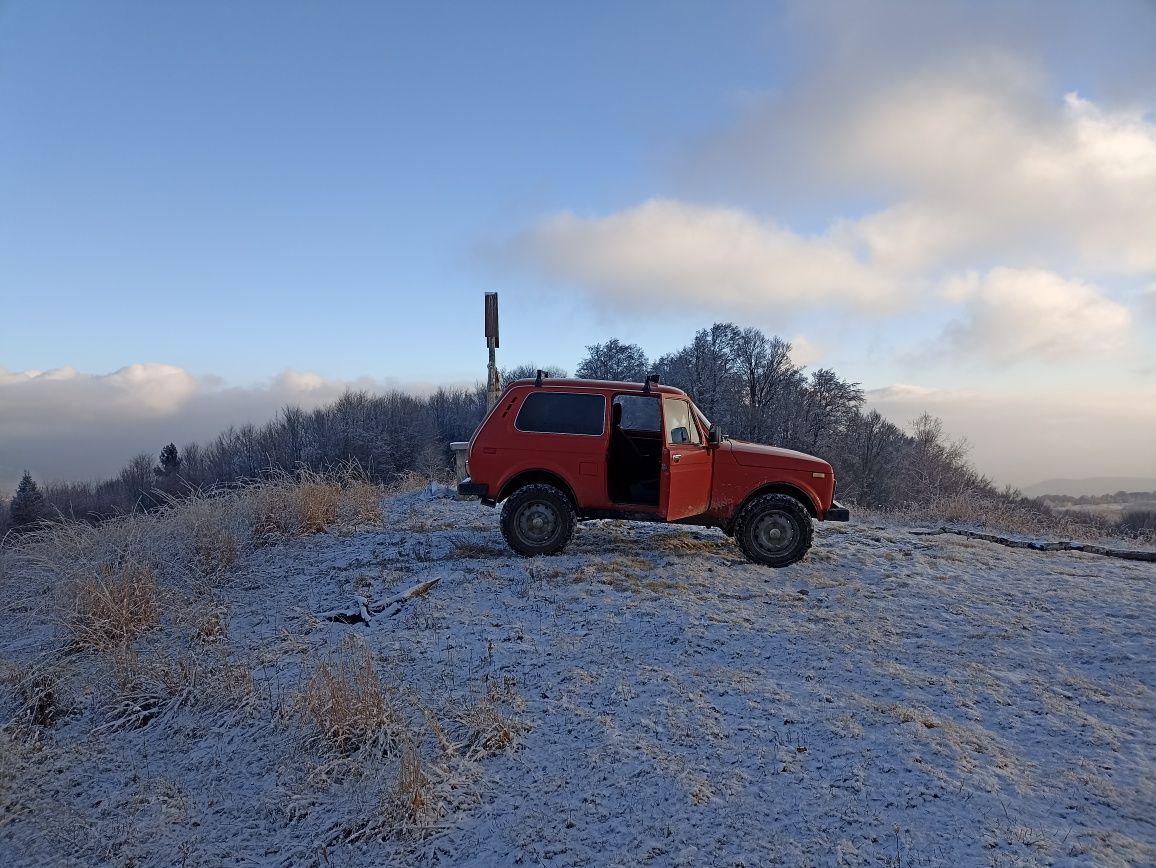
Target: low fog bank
{"x":1022,"y":441}
{"x":64,"y":425}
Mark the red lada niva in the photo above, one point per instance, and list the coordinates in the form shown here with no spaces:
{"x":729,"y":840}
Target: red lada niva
{"x":555,"y":452}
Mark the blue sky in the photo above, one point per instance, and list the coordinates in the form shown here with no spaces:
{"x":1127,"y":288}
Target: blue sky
{"x":231,"y":187}
{"x":210,"y":208}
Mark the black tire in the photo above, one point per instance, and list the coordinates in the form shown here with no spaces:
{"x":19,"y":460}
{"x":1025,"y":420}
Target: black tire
{"x":538,"y":520}
{"x":774,"y":530}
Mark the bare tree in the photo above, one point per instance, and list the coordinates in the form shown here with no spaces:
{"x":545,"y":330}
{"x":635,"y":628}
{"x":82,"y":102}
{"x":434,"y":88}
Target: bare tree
{"x":137,"y":482}
{"x":937,"y":466}
{"x":523,"y":372}
{"x":768,"y":375}
{"x":614,"y":360}
{"x":829,"y":404}
{"x":872,"y":451}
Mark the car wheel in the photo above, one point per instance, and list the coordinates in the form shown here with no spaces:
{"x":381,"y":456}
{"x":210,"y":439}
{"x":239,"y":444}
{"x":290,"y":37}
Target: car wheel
{"x":538,"y":520}
{"x":774,"y":530}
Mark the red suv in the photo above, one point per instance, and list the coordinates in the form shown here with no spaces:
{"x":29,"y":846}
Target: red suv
{"x":556,"y":452}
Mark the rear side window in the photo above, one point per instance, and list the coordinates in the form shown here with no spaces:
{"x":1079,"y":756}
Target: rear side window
{"x":638,"y":413}
{"x":562,"y":413}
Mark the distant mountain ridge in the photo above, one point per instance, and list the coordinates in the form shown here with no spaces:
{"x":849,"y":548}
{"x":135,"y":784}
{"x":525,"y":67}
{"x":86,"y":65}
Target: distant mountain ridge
{"x":1091,"y":486}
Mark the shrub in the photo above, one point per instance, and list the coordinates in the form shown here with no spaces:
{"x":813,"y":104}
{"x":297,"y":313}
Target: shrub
{"x":1138,"y":522}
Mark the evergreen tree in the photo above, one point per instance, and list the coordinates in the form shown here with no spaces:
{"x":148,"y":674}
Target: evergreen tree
{"x":28,"y":506}
{"x":170,"y":461}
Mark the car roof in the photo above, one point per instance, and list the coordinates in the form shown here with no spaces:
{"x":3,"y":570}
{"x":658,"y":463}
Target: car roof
{"x":596,"y":385}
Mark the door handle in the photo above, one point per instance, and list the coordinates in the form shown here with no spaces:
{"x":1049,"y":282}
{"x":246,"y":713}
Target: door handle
{"x":676,"y":458}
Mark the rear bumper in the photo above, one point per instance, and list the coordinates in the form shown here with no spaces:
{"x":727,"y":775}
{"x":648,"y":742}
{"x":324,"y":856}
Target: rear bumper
{"x":468,"y":488}
{"x":837,"y":512}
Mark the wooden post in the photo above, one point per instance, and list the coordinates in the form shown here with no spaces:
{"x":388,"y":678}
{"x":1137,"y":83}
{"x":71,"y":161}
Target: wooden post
{"x":493,"y":382}
{"x":494,"y":386}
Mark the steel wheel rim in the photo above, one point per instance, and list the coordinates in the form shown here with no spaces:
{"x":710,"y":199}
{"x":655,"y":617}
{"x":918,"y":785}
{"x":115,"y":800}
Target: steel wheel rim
{"x":774,"y":532}
{"x":537,"y":522}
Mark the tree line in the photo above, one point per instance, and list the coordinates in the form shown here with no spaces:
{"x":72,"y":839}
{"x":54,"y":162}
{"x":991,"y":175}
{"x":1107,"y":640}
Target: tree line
{"x":747,"y":382}
{"x":741,"y":378}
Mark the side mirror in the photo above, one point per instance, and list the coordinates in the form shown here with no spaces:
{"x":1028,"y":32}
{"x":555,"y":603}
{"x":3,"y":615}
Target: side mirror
{"x":715,"y":436}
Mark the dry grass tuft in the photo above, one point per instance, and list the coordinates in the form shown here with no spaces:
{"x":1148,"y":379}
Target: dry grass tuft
{"x":315,"y":504}
{"x":198,"y":616}
{"x":407,"y":809}
{"x":288,"y":509}
{"x":209,"y":529}
{"x":694,"y":544}
{"x":347,"y":707}
{"x":146,"y":686}
{"x":487,"y":731}
{"x":209,"y":626}
{"x":318,"y":505}
{"x":362,"y":502}
{"x":112,"y":608}
{"x":216,"y":549}
{"x":40,"y":694}
{"x":406,"y":483}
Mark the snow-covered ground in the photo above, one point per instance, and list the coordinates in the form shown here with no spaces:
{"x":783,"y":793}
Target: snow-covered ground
{"x":893,"y":699}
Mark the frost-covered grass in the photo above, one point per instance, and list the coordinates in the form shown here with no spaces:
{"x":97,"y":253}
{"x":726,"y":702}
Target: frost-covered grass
{"x":976,"y":509}
{"x":647,"y":698}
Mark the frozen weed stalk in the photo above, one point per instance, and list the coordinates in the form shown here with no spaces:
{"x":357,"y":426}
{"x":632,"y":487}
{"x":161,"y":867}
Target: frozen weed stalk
{"x":414,"y":802}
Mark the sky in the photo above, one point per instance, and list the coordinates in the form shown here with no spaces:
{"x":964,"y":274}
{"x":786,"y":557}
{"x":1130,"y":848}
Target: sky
{"x":211,"y":209}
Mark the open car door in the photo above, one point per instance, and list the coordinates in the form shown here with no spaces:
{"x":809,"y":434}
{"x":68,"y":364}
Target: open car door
{"x":687,"y":462}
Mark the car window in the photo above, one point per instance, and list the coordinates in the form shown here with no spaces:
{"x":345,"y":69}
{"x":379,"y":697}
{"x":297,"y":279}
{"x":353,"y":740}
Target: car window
{"x":639,"y":413}
{"x":562,"y":413}
{"x":680,"y":428}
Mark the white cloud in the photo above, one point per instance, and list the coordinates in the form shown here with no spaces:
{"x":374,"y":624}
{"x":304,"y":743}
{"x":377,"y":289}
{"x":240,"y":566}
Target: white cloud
{"x":984,"y":168}
{"x":1019,"y":314}
{"x":902,"y":393}
{"x":971,"y":156}
{"x":154,"y":388}
{"x":68,"y":425}
{"x":1147,"y":302}
{"x":989,"y":172}
{"x":667,"y":252}
{"x":806,"y":352}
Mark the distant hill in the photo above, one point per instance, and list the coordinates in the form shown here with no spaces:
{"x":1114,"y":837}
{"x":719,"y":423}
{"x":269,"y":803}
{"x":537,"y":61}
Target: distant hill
{"x":1091,"y":486}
